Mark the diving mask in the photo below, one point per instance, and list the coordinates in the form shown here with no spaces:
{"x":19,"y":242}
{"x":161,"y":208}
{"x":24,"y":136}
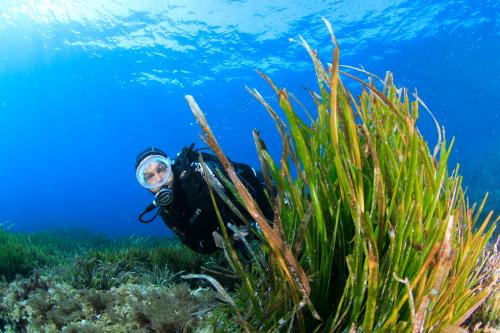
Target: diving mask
{"x":154,"y":171}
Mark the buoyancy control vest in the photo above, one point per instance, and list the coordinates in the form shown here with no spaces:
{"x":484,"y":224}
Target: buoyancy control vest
{"x":191,"y":214}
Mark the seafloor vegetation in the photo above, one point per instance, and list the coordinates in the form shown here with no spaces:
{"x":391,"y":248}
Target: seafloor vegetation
{"x":372,"y":233}
{"x":76,"y":281}
{"x":372,"y":230}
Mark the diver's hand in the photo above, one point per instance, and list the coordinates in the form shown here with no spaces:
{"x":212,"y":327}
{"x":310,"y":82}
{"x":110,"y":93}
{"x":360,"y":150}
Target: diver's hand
{"x":243,"y":231}
{"x":218,"y":239}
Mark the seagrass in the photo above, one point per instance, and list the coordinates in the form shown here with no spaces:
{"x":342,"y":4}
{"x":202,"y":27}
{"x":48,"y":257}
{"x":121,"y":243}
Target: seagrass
{"x":372,"y":232}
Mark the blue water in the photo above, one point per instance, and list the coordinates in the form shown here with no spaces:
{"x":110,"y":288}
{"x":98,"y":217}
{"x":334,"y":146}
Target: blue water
{"x":85,"y":85}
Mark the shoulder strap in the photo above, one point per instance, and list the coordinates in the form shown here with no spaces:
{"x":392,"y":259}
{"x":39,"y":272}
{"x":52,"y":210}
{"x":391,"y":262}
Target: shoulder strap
{"x":184,"y":157}
{"x":190,"y":154}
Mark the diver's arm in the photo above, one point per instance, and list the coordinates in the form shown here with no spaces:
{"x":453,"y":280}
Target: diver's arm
{"x":198,"y":243}
{"x":205,"y":244}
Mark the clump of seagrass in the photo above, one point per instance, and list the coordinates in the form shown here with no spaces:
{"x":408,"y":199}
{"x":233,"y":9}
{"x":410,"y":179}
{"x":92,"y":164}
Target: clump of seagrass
{"x":110,"y":267}
{"x":18,"y":256}
{"x":374,"y":233}
{"x":487,"y":316}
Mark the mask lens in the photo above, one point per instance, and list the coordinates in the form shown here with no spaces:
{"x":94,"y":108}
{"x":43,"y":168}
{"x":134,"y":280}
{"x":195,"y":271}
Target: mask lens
{"x":154,"y":171}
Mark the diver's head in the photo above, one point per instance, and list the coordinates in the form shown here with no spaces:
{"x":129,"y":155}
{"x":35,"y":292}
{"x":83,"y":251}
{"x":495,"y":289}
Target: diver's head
{"x":153,"y":169}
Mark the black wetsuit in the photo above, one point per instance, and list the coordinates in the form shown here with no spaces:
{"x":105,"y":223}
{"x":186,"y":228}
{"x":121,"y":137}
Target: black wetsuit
{"x":191,"y":215}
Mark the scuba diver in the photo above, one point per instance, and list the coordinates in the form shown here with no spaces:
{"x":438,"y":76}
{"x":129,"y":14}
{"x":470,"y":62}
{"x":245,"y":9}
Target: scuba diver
{"x":183,"y":200}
